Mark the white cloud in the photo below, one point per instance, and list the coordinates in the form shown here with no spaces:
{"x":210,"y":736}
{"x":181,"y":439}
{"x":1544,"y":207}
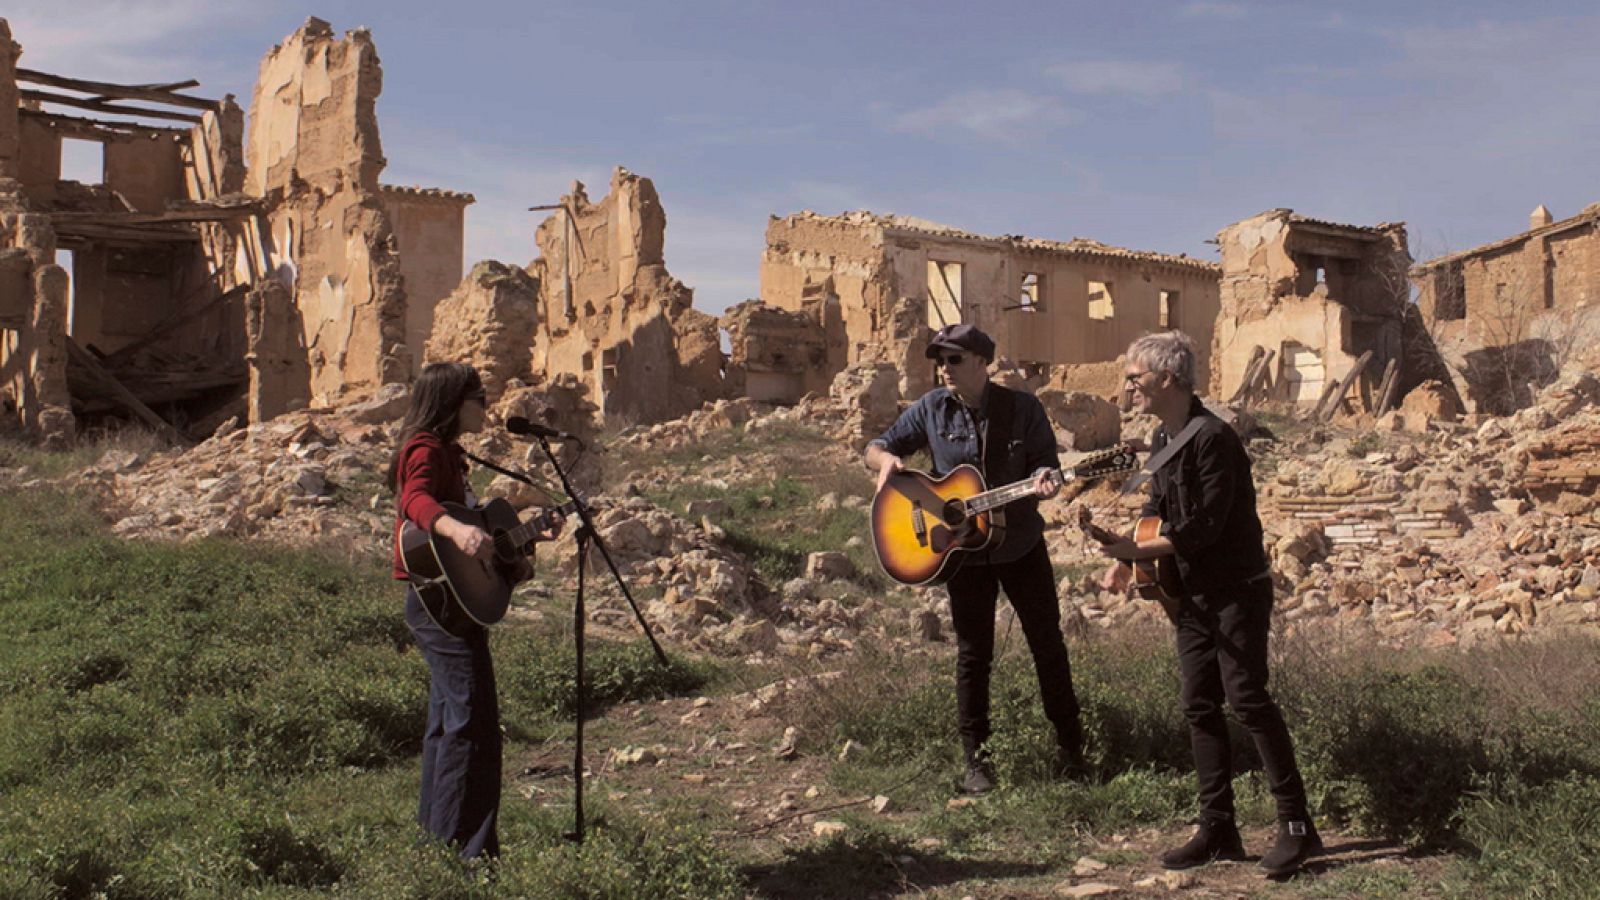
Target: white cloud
{"x":1109,"y":76}
{"x":986,"y":113}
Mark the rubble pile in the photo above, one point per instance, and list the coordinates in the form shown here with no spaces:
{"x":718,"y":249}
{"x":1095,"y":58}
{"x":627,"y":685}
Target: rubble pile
{"x":1487,"y":527}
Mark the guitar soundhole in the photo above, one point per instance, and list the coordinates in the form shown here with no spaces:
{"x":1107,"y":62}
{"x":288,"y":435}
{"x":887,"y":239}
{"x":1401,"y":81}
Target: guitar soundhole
{"x":955,"y":515}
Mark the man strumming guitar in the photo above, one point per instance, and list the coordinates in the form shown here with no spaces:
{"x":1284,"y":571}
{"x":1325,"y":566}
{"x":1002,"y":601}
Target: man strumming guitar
{"x":971,"y":420}
{"x":1204,"y":496}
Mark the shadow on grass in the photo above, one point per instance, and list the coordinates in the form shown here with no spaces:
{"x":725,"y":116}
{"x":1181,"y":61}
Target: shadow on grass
{"x":871,"y":865}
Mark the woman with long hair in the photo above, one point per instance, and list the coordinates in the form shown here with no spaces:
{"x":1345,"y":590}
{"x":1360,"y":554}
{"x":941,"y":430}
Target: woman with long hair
{"x":461,"y":748}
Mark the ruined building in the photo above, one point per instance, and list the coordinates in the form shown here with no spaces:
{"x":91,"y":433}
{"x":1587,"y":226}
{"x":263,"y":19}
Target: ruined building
{"x":876,"y":287}
{"x":210,"y":275}
{"x":1304,"y":303}
{"x":1508,"y":315}
{"x":610,"y":313}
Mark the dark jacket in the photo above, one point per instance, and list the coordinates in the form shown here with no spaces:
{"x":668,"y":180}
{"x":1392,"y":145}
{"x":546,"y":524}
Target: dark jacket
{"x":1207,"y":504}
{"x":954,"y":435}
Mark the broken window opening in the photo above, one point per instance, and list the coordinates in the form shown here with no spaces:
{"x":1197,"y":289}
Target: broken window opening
{"x":1031,"y":292}
{"x":1101,"y":307}
{"x":944,"y":293}
{"x":83,"y":161}
{"x":1168,"y":311}
{"x":64,"y":260}
{"x":1450,"y":295}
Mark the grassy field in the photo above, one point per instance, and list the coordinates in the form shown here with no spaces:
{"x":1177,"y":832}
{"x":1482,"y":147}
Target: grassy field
{"x":225,"y":719}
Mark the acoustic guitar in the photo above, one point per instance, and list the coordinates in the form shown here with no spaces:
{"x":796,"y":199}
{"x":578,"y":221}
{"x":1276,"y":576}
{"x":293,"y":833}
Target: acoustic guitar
{"x":922,"y":526}
{"x":1154,"y":579}
{"x":461,"y":592}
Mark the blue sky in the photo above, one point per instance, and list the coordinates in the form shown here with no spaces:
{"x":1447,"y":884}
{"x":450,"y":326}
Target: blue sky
{"x":1146,"y":125}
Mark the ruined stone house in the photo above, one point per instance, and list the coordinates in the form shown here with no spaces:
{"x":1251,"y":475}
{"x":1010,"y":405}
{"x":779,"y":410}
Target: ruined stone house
{"x":876,"y":288}
{"x":1507,"y":316}
{"x":211,"y":274}
{"x":1303,"y":300}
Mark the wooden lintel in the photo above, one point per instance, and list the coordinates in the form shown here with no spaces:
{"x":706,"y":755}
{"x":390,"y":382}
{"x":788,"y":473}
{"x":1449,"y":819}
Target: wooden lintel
{"x":102,"y":106}
{"x":120,"y":393}
{"x":189,"y":213}
{"x":117,"y":91}
{"x":99,"y":129}
{"x":69,"y":233}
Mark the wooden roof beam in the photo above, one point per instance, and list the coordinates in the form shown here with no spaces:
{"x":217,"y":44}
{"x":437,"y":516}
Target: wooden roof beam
{"x":116,"y":91}
{"x":99,"y":129}
{"x":102,"y":106}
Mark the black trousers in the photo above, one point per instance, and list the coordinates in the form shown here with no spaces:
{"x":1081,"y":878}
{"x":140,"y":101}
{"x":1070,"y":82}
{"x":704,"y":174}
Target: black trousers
{"x":1030,"y":586}
{"x":1222,"y":655}
{"x":461,"y":748}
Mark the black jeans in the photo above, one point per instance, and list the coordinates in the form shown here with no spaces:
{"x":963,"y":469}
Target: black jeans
{"x":1030,"y":585}
{"x":1222,"y":654}
{"x":461,"y":749}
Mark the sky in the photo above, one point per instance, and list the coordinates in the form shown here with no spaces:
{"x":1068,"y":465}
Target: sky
{"x":1143,"y":125}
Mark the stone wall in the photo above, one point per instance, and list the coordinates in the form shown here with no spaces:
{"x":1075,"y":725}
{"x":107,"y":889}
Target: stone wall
{"x":428,"y":227}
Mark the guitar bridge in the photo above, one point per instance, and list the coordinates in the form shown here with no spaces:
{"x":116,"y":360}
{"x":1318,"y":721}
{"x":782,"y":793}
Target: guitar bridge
{"x":919,"y":523}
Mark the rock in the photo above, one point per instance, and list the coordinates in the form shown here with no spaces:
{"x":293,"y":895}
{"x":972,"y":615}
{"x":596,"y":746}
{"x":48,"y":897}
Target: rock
{"x":387,"y":405}
{"x":1088,"y":865}
{"x":1082,"y":421}
{"x":882,"y":804}
{"x":1511,"y":506}
{"x":828,"y":565}
{"x":716,"y":509}
{"x":788,"y":747}
{"x":851,"y":751}
{"x":1341,"y":479}
{"x":828,"y":828}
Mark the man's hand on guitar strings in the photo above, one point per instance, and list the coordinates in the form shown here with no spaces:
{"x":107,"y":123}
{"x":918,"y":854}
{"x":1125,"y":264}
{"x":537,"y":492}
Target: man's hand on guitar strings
{"x":1118,"y":577}
{"x":1047,"y":483}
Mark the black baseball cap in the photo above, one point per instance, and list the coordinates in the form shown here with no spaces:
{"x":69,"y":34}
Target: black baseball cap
{"x":959,"y":337}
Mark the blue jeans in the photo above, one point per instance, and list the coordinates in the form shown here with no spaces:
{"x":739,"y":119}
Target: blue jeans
{"x":461,"y":748}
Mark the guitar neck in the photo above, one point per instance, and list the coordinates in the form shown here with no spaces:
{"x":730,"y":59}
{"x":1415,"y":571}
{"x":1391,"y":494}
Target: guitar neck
{"x":528,"y":530}
{"x":1000,"y":496}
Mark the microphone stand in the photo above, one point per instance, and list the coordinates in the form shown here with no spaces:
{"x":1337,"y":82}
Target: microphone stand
{"x":585,"y":535}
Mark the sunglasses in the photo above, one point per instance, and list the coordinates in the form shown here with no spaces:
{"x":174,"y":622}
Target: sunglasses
{"x":954,"y":359}
{"x":1133,"y":377}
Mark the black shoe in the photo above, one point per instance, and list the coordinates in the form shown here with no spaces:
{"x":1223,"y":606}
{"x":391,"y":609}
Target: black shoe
{"x":1069,"y":764}
{"x":1213,"y":840}
{"x":979,"y":778}
{"x":1297,"y":842}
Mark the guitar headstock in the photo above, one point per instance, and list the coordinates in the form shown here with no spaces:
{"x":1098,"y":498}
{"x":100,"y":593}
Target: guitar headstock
{"x":1113,"y":460}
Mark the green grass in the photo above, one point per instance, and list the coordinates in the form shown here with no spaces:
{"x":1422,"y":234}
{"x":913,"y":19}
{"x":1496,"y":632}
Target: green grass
{"x":213,"y":719}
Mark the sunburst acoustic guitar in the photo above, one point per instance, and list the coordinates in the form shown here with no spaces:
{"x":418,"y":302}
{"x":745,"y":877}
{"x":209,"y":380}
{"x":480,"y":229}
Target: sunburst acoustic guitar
{"x":923,"y":526}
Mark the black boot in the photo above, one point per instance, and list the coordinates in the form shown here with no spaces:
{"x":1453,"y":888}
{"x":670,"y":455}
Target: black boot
{"x":1069,"y":763}
{"x":1297,"y":841}
{"x":1214,"y":839}
{"x":979,"y":778}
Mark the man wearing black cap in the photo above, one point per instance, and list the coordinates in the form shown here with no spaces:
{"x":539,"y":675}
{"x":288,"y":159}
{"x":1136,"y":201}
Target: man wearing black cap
{"x":969,"y":419}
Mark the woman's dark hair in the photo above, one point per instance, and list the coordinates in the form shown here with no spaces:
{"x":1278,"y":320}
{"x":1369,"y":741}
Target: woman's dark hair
{"x":436,"y":400}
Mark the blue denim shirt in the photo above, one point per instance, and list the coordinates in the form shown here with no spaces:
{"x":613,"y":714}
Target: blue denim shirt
{"x":954,"y":436}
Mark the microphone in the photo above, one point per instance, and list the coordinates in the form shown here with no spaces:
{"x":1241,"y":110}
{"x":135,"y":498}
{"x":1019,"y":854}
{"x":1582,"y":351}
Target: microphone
{"x":523,"y":426}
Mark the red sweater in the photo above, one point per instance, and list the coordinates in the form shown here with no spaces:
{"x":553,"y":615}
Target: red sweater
{"x":431,"y":473}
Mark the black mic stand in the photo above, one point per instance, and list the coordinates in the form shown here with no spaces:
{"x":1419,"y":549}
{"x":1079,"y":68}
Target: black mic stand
{"x":585,"y":535}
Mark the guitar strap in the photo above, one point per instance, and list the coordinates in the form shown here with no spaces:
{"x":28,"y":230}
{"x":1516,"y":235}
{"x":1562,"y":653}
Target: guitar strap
{"x":997,"y":434}
{"x":1164,"y":455}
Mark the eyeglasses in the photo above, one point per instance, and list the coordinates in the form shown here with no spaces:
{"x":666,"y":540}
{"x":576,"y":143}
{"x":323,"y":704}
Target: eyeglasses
{"x":954,"y":359}
{"x":1133,"y":377}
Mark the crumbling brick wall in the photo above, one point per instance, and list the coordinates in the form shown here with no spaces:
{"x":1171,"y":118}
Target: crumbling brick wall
{"x":775,"y":355}
{"x":611,"y":313}
{"x":880,"y":286}
{"x":314,"y":155}
{"x":1317,"y":295}
{"x":1508,"y":316}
